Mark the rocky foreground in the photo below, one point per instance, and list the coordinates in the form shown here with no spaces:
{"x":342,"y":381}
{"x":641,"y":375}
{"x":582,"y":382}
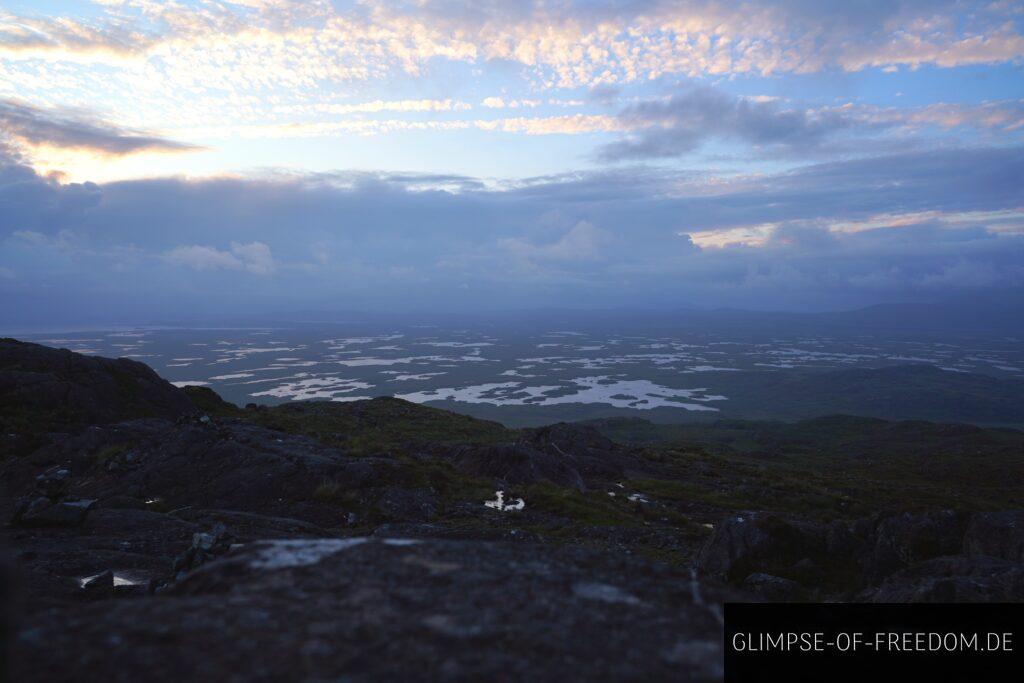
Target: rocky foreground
{"x":156,"y":533}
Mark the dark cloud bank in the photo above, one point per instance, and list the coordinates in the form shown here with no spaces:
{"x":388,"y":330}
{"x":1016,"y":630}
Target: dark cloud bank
{"x":919,"y":226}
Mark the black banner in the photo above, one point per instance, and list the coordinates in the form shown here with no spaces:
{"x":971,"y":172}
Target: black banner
{"x":874,"y":643}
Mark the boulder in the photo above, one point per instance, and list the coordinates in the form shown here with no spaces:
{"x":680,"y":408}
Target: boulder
{"x":758,"y":542}
{"x":813,"y":554}
{"x":907,"y":539}
{"x":774,"y":588}
{"x":205,"y":546}
{"x":997,"y":534}
{"x":54,"y":483}
{"x":959,"y":578}
{"x":121,"y":502}
{"x":99,"y":586}
{"x":42,"y":511}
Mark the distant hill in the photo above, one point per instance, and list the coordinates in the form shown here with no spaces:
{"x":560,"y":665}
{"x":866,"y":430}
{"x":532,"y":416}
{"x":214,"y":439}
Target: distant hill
{"x":964,"y":318}
{"x":833,"y":436}
{"x":904,"y":392}
{"x":976,"y":318}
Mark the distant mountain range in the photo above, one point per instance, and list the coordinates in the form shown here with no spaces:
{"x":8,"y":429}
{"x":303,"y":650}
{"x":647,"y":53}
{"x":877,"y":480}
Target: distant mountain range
{"x":961,"y":318}
{"x":973,"y":318}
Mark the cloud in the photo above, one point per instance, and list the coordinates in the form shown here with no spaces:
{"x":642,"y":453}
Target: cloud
{"x":499,"y":103}
{"x":1002,"y":42}
{"x":254,"y":257}
{"x":974,"y":274}
{"x":574,"y":124}
{"x":583,"y":242}
{"x":289,"y":69}
{"x":683,"y":122}
{"x":33,"y":126}
{"x":690,"y":118}
{"x":242,"y":47}
{"x":1002,"y":117}
{"x":33,"y":36}
{"x":423,"y":105}
{"x":605,"y":94}
{"x":888,"y":228}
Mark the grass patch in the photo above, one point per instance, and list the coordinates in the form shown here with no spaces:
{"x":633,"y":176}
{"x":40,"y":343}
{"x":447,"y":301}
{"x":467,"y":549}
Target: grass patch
{"x":452,"y":486}
{"x":595,"y":508}
{"x":328,"y":491}
{"x":103,"y":455}
{"x":377,"y":425}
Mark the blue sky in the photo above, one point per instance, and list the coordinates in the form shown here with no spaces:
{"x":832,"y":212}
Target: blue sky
{"x":162,"y":158}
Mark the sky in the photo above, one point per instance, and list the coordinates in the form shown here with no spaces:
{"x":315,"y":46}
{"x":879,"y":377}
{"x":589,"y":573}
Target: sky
{"x":205,"y":157}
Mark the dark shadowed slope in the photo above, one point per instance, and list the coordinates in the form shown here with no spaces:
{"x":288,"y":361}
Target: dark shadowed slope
{"x":46,"y":389}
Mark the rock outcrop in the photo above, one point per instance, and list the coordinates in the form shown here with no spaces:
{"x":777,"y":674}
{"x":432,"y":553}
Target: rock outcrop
{"x":517,"y":464}
{"x":366,"y":609}
{"x":769,"y":544}
{"x":54,"y":390}
{"x":908,"y":539}
{"x":202,"y":464}
{"x":996,"y":534}
{"x":928,"y":557}
{"x":957,"y":578}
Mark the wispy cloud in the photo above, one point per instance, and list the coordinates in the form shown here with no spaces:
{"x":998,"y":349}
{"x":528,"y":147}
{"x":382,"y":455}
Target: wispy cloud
{"x":375,"y":106}
{"x":573,"y":124}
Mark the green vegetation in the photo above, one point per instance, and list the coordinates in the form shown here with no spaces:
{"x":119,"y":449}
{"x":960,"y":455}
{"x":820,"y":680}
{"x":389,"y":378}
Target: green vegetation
{"x":771,"y":491}
{"x":377,"y":425}
{"x":837,"y":466}
{"x":826,"y":468}
{"x":329,"y":491}
{"x":108,"y":452}
{"x":594,"y":508}
{"x":208,"y":402}
{"x":452,"y":486}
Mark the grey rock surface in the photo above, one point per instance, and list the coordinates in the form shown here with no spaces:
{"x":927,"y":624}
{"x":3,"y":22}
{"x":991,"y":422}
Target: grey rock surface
{"x":369,"y":609}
